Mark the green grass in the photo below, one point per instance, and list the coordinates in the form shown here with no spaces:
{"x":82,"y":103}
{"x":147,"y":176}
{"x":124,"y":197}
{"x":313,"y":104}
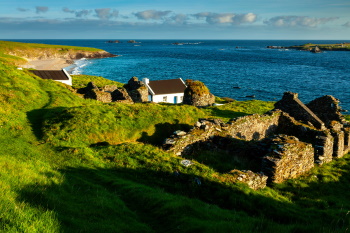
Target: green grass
{"x":238,"y":109}
{"x":329,"y":47}
{"x":56,"y":177}
{"x":80,"y":81}
{"x":118,"y":123}
{"x":10,"y":46}
{"x":14,"y":52}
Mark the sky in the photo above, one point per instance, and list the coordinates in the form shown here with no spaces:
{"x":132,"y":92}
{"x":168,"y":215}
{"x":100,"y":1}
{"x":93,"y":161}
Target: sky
{"x":175,"y":19}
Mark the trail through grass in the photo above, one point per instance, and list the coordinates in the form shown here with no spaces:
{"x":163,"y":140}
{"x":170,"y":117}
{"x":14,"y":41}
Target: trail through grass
{"x":73,"y":165}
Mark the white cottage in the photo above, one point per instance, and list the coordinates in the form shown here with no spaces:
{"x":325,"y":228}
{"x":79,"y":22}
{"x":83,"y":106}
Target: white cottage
{"x":57,"y":75}
{"x":166,"y":91}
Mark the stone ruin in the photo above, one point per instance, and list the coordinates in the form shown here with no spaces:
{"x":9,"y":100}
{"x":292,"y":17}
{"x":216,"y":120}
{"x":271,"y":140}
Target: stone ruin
{"x":137,"y":90}
{"x":133,"y":92}
{"x":283,"y":143}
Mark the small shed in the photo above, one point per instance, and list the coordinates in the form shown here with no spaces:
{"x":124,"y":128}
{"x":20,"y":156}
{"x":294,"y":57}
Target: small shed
{"x":166,"y":91}
{"x":57,"y":75}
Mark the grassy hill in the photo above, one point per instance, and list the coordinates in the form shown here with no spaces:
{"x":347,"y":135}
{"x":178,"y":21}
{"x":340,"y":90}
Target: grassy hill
{"x":73,"y":165}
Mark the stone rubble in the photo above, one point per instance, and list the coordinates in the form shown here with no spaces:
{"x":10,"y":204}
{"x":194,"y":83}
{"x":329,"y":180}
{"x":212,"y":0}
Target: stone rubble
{"x":287,"y":141}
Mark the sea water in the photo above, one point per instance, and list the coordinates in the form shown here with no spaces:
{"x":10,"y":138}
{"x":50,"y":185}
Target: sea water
{"x":230,"y":68}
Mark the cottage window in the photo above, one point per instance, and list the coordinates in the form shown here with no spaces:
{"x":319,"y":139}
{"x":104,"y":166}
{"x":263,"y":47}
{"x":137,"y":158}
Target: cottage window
{"x":181,"y":98}
{"x":165,"y":98}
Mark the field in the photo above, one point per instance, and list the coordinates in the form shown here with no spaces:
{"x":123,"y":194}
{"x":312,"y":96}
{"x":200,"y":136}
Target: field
{"x":73,"y":165}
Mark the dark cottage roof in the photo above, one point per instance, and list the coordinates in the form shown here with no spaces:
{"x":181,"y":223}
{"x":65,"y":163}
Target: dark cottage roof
{"x":169,"y":86}
{"x":50,"y":74}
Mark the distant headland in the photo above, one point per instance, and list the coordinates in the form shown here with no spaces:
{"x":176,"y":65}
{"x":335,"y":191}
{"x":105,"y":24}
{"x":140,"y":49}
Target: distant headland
{"x":318,"y":47}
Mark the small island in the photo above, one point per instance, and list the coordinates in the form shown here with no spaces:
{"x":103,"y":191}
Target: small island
{"x":323,"y":47}
{"x":113,"y":41}
{"x":316,"y":47}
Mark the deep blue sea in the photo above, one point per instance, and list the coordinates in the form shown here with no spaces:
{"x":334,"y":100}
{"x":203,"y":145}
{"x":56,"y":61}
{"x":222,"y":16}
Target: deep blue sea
{"x":225,"y":64}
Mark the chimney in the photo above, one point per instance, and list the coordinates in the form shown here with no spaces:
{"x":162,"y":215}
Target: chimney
{"x":145,"y":80}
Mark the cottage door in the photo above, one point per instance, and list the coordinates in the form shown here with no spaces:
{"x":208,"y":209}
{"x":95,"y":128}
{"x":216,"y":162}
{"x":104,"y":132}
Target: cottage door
{"x":175,"y":99}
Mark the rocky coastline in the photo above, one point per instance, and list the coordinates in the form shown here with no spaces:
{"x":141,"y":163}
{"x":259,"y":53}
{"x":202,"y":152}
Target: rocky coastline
{"x":55,"y":60}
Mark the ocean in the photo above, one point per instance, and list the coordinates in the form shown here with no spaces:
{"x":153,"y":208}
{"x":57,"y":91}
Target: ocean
{"x":230,"y":68}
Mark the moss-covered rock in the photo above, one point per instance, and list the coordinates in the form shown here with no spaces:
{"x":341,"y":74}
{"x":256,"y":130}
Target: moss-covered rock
{"x":197,"y":94}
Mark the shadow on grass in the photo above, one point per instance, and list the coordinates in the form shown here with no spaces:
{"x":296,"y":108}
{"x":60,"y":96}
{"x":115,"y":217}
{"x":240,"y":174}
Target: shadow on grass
{"x":214,"y":111}
{"x":225,"y":154}
{"x":162,"y":131}
{"x":128,"y":200}
{"x":38,"y":116}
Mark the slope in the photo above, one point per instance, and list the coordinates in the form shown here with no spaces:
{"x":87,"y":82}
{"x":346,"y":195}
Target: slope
{"x":74,"y":165}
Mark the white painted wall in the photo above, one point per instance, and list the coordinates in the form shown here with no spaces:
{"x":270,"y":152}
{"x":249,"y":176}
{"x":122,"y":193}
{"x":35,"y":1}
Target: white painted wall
{"x":69,"y":81}
{"x":170,"y":98}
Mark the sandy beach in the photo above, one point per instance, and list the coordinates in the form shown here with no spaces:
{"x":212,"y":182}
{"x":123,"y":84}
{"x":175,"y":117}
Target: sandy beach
{"x":49,"y":64}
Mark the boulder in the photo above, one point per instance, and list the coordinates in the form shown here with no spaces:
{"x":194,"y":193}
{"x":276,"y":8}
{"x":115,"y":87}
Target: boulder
{"x":197,"y":94}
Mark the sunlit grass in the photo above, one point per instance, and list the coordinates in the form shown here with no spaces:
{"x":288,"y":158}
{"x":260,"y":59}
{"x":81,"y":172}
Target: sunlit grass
{"x":73,"y":165}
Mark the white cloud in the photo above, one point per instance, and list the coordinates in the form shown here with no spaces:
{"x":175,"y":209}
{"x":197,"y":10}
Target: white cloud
{"x":78,"y":14}
{"x":151,"y":14}
{"x":41,"y":9}
{"x":179,"y":18}
{"x":347,"y":24}
{"x":22,"y":9}
{"x":106,"y":13}
{"x":297,"y":21}
{"x":82,"y":13}
{"x":226,"y":18}
{"x":67,"y":10}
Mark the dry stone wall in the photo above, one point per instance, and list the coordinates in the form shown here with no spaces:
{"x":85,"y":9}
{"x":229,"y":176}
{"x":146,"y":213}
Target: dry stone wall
{"x":295,"y":108}
{"x":135,"y":92}
{"x":253,"y":180}
{"x":252,"y":127}
{"x":288,"y":159}
{"x":327,"y":109}
{"x":309,"y":139}
{"x":322,"y":140}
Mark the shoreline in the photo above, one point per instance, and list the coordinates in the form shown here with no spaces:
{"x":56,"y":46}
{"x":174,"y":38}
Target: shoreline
{"x":48,"y":64}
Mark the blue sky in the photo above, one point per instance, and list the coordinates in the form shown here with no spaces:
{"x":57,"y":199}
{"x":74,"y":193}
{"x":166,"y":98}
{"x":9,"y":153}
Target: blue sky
{"x":176,"y":19}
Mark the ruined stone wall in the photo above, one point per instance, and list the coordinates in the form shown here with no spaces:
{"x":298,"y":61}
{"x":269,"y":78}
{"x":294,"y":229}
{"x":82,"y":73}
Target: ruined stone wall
{"x":252,"y":127}
{"x":288,"y":159}
{"x":327,"y":109}
{"x":322,"y":140}
{"x":338,"y":146}
{"x":253,"y":180}
{"x":137,"y":90}
{"x":121,"y":95}
{"x":294,"y":107}
{"x":346,"y":139}
{"x":282,"y":157}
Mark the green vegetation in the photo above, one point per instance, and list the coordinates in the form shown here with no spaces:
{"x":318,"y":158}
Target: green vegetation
{"x":196,"y":87}
{"x":14,"y":52}
{"x":238,"y":109}
{"x":73,"y":165}
{"x":80,"y":81}
{"x":9,"y":46}
{"x":325,"y":47}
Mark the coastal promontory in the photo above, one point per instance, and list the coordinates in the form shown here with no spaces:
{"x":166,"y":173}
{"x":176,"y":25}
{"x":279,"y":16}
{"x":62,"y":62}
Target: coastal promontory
{"x":57,"y":56}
